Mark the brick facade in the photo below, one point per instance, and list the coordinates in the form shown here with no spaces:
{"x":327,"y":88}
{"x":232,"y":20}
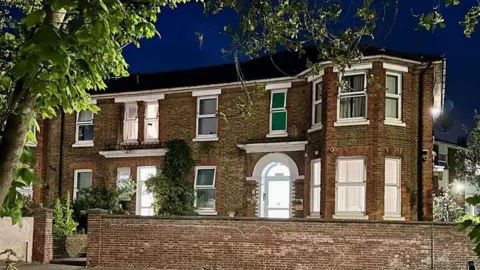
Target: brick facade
{"x":42,"y":249}
{"x":177,"y":120}
{"x":240,"y":243}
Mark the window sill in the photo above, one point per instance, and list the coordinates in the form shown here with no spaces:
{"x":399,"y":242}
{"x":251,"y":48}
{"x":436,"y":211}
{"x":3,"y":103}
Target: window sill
{"x":129,"y":142}
{"x":316,"y":215}
{"x":207,"y":212}
{"x":351,"y":123}
{"x":150,"y":141}
{"x":393,"y":218}
{"x":345,"y":216}
{"x":394,"y":123}
{"x":277,"y":135}
{"x":315,"y":128}
{"x":82,"y":144}
{"x":205,"y":139}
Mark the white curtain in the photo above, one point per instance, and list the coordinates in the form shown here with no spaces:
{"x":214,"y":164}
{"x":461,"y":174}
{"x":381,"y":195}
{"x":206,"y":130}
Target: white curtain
{"x":351,"y":185}
{"x":392,"y":186}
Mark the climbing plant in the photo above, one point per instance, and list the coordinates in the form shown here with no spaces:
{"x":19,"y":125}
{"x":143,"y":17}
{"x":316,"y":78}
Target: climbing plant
{"x":173,"y":194}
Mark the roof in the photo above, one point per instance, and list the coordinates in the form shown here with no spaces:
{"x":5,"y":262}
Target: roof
{"x":289,"y":63}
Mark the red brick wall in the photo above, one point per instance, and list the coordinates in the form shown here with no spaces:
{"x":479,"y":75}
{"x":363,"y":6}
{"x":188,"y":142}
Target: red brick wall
{"x":42,"y":249}
{"x":221,"y":243}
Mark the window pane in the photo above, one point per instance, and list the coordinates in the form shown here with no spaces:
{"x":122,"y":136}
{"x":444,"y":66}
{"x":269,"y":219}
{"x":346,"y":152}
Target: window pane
{"x":352,"y":107}
{"x":205,"y":177}
{"x":152,"y":130}
{"x":206,"y":198}
{"x":130,"y":130}
{"x":391,"y":199}
{"x":354,"y":83}
{"x":208,"y":106}
{"x":318,"y":91}
{"x":318,"y":113}
{"x":392,"y":108}
{"x":84,"y":180}
{"x":123,"y":173}
{"x":85,"y":133}
{"x":278,"y":100}
{"x":351,"y":170}
{"x":351,"y":199}
{"x":279,"y":121}
{"x":316,"y":173}
{"x":278,"y":195}
{"x":207,"y":126}
{"x":147,"y":197}
{"x":131,"y":112}
{"x":85,"y":116}
{"x":392,"y":84}
{"x":391,"y":171}
{"x":278,"y":170}
{"x":151,"y":110}
{"x":316,"y":199}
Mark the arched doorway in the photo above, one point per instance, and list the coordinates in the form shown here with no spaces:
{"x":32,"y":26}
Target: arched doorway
{"x":275,"y":191}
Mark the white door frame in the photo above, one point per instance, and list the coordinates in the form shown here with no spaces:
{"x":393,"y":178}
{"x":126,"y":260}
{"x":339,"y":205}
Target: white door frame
{"x":138,"y":202}
{"x":264,"y":195}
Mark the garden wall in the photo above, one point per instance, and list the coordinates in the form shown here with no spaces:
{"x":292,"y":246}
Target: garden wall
{"x":18,"y":239}
{"x":245,"y":243}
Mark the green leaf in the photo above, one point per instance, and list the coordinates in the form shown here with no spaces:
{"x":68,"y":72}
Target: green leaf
{"x":464,"y":225}
{"x":34,"y":18}
{"x":54,"y":55}
{"x":473,"y":200}
{"x":103,"y":6}
{"x":47,"y":35}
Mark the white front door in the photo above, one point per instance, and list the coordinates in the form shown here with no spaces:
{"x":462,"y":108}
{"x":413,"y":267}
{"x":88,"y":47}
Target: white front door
{"x":276,"y":197}
{"x":144,"y":198}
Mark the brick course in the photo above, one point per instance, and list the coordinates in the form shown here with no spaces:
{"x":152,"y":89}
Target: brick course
{"x":221,"y":243}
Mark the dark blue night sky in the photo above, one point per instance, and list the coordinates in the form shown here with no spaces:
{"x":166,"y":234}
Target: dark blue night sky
{"x":179,"y":49}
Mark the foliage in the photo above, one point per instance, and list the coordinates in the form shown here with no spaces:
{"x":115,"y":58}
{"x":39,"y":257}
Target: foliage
{"x":97,"y":197}
{"x":63,"y":223}
{"x":126,"y":187}
{"x":173,"y":194}
{"x":9,"y":263}
{"x":445,"y":207}
{"x":27,"y":209}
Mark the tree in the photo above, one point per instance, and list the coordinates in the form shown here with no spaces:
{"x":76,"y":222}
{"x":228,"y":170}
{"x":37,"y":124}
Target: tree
{"x":55,"y":51}
{"x":445,"y":207}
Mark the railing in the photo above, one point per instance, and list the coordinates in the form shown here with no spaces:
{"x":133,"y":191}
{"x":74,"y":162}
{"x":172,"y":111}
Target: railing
{"x":134,"y":145}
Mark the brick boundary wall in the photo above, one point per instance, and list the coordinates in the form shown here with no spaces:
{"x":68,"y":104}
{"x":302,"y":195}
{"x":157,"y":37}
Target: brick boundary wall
{"x":42,"y":249}
{"x":253,"y":243}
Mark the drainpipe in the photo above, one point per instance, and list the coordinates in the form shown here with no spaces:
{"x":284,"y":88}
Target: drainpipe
{"x":60,"y":155}
{"x":420,"y":144}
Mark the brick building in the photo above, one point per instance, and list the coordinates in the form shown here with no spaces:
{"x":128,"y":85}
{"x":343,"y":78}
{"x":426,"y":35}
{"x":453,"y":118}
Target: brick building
{"x":312,"y":148}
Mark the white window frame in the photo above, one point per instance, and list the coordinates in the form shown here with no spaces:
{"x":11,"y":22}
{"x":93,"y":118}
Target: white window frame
{"x":348,"y":214}
{"x":398,"y":96}
{"x":129,"y":120}
{"x":316,"y":126}
{"x":352,"y":120}
{"x":77,"y":128}
{"x":139,"y":186}
{"x":75,"y":180}
{"x":397,"y":185}
{"x":124,"y":169}
{"x":205,"y":211}
{"x":151,"y":120}
{"x":206,"y":137}
{"x":278,"y":133}
{"x":313,"y":186}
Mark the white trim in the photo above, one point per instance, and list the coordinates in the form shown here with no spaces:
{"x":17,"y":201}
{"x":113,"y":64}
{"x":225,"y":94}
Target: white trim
{"x":315,"y":128}
{"x":351,"y":123}
{"x":313,"y":78}
{"x":277,"y":135}
{"x":134,"y":153}
{"x":355,"y":67}
{"x":395,"y":67}
{"x":276,"y":157}
{"x":394,"y":218}
{"x":273,"y":147}
{"x":355,"y":217}
{"x":94,"y":101}
{"x":397,"y":96}
{"x":205,"y":139}
{"x":138,"y":197}
{"x":209,"y":137}
{"x":316,"y":102}
{"x":83,"y":144}
{"x":251,"y":178}
{"x":135,"y":98}
{"x":276,"y":86}
{"x":205,"y":211}
{"x":75,"y":180}
{"x":200,"y":93}
{"x":394,"y":123}
{"x":312,"y":186}
{"x":397,"y":185}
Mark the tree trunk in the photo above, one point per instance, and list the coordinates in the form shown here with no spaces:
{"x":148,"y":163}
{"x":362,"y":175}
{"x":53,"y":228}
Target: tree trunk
{"x":13,"y":140}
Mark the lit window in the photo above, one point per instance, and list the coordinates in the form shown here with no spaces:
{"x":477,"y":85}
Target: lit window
{"x":84,"y":132}
{"x":316,"y":180}
{"x":351,"y":175}
{"x":353,"y":97}
{"x":130,"y":122}
{"x":205,"y":189}
{"x":207,"y":121}
{"x":151,"y":121}
{"x":393,"y":107}
{"x":278,"y":112}
{"x":317,"y":104}
{"x":145,"y":198}
{"x":82,"y":180}
{"x":392,"y":187}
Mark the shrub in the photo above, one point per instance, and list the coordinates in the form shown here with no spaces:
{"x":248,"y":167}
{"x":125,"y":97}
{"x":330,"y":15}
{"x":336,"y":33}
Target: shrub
{"x":63,"y":223}
{"x":125,"y":187}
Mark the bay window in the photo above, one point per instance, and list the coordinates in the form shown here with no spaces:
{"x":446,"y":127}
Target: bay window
{"x":205,"y":192}
{"x":352,"y":97}
{"x":130,"y":122}
{"x":393,"y":97}
{"x":350,"y":187}
{"x":151,"y":121}
{"x":392,"y":188}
